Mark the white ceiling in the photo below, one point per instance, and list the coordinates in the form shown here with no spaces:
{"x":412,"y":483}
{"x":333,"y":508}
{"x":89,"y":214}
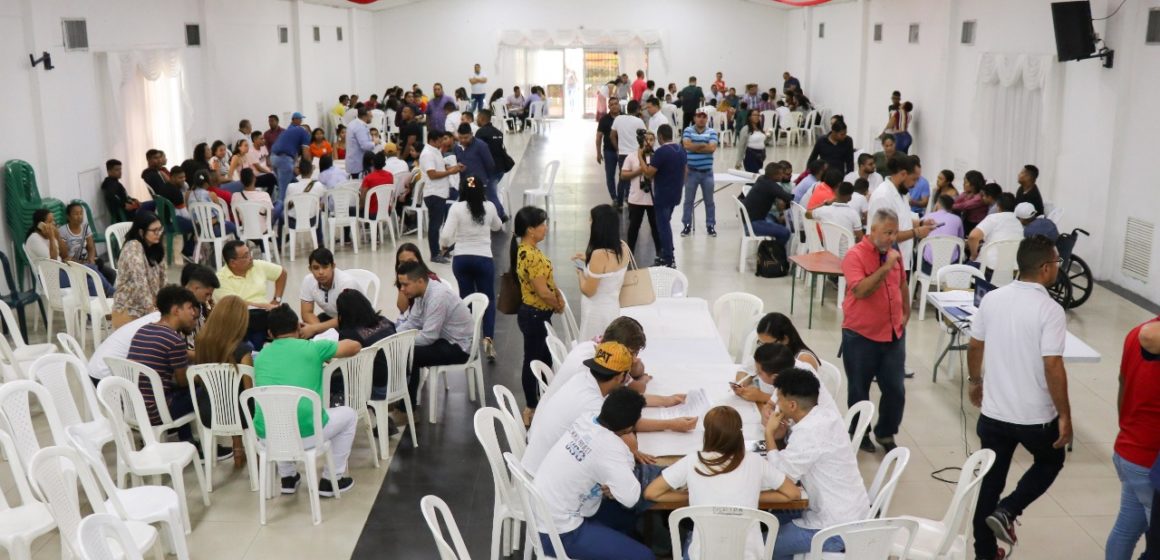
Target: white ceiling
{"x":375,"y":6}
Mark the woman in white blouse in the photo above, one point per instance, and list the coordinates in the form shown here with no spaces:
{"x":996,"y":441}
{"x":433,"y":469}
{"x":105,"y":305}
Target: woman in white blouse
{"x":468,"y":228}
{"x":601,"y":271}
{"x":723,"y":473}
{"x":751,"y":144}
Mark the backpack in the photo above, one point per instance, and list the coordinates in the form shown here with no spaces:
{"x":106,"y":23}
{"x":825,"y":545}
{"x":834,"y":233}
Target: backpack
{"x":771,"y":260}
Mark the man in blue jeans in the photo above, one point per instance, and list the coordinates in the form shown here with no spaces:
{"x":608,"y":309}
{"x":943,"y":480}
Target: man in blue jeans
{"x":700,"y":141}
{"x":667,"y":170}
{"x":761,"y":199}
{"x":291,"y":143}
{"x":605,"y":148}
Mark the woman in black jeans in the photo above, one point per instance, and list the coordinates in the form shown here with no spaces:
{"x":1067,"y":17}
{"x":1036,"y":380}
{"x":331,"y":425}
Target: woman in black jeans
{"x":539,"y":296}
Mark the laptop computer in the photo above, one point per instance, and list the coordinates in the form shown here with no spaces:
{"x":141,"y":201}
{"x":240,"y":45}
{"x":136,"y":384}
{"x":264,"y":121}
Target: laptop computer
{"x":982,"y":287}
{"x":965,"y":312}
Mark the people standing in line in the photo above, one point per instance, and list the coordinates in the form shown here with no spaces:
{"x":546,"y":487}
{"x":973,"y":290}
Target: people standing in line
{"x":438,"y":187}
{"x":640,"y":197}
{"x":700,"y":141}
{"x":606,"y":149}
{"x":470,"y":223}
{"x":874,"y":315}
{"x":493,"y":137}
{"x":624,"y":136}
{"x":539,"y":296}
{"x":285,"y":148}
{"x":691,"y":98}
{"x":605,"y":262}
{"x":667,"y":170}
{"x":478,"y":83}
{"x":1017,"y":378}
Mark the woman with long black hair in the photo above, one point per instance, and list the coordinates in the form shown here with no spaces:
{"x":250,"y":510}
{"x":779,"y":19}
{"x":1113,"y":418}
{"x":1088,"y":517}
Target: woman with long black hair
{"x":605,"y":262}
{"x":140,"y":270}
{"x":359,"y":320}
{"x":468,"y":228}
{"x":539,"y":296}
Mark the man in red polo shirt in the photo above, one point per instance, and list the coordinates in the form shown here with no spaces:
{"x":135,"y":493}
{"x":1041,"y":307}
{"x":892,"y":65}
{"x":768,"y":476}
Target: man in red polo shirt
{"x":875,"y":312}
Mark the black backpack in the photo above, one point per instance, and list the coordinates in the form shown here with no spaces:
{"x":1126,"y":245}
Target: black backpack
{"x":771,"y":260}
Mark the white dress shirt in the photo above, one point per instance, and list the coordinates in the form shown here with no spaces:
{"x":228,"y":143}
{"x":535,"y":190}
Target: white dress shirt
{"x":886,"y":196}
{"x":580,"y":396}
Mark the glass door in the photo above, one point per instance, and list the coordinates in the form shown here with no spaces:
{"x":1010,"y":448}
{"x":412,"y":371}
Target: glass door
{"x":600,"y":67}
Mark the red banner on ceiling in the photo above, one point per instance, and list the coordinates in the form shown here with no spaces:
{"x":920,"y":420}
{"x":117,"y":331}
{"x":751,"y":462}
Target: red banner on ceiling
{"x":801,"y":3}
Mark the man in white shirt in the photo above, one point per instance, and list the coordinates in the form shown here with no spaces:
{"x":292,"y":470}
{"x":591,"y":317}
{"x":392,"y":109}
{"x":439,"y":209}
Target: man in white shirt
{"x":319,"y":293}
{"x":478,"y":89}
{"x":656,"y":117}
{"x":859,"y":200}
{"x":1000,"y":226}
{"x":589,"y":462}
{"x":329,"y":174}
{"x":624,"y":330}
{"x":438,"y":187}
{"x":891,"y":194}
{"x":453,"y":118}
{"x":1017,"y":341}
{"x":624,"y":129}
{"x":865,"y":170}
{"x":817,"y":454}
{"x":398,"y":169}
{"x":840,"y":212}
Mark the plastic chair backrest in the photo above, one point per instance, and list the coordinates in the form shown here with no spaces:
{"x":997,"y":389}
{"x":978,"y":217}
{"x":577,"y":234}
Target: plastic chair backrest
{"x":956,"y":277}
{"x":862,"y":412}
{"x":357,"y":374}
{"x":383,"y":197}
{"x":881,"y":491}
{"x":798,"y":215}
{"x":95,"y":532}
{"x":485,"y":431}
{"x":769,"y":120}
{"x":340,"y":200}
{"x":81,"y":275}
{"x":71,"y":346}
{"x":477,"y":303}
{"x":558,"y":350}
{"x":544,"y":375}
{"x":836,"y":239}
{"x":723,"y":531}
{"x":668,"y":282}
{"x":944,"y":251}
{"x":54,"y":473}
{"x":511,"y":409}
{"x":54,"y":372}
{"x":571,"y":328}
{"x":133,"y":371}
{"x":537,"y":514}
{"x":166,"y":213}
{"x":813,"y":236}
{"x":49,"y":271}
{"x":550,"y":170}
{"x":254,"y":218}
{"x":124,"y":407}
{"x":12,"y":325}
{"x":736,"y":314}
{"x":1002,"y":254}
{"x":369,"y":283}
{"x":279,"y":405}
{"x":831,"y":378}
{"x":204,"y":215}
{"x":433,"y":508}
{"x":869,"y":539}
{"x":398,"y":350}
{"x":306,"y":211}
{"x":957,"y":521}
{"x":23,"y":490}
{"x":16,"y":417}
{"x":115,"y":240}
{"x":223,"y":384}
{"x":746,"y":223}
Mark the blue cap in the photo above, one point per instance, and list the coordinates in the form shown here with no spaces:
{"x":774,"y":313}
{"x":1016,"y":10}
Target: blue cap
{"x":297,"y":115}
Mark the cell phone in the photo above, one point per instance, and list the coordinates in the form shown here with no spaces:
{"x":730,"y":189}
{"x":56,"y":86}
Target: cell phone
{"x":735,"y":385}
{"x":578,"y":263}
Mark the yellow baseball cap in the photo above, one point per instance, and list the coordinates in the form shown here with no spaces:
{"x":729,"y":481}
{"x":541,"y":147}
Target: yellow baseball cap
{"x":611,"y":359}
{"x":390,"y":148}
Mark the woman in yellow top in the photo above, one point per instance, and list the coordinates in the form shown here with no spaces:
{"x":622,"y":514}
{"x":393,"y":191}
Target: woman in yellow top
{"x":539,"y":296}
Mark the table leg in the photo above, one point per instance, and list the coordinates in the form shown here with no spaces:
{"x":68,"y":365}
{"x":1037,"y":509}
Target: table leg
{"x":954,"y":338}
{"x":813,"y":285}
{"x":792,"y":285}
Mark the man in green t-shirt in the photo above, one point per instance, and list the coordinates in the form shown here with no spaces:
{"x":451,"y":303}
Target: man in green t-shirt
{"x":290,"y":360}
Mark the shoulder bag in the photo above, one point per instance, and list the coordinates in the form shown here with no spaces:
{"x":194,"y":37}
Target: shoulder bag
{"x":637,"y":288}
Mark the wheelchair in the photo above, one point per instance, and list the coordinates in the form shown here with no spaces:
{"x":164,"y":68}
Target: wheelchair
{"x":1073,"y":287}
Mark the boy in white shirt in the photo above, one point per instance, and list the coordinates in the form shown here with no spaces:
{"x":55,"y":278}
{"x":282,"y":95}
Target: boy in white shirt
{"x":858,"y":200}
{"x":840,"y":212}
{"x":590,"y":462}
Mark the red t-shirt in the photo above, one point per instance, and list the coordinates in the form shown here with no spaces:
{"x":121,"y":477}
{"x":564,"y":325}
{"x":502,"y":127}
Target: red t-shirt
{"x":638,"y":88}
{"x":879,"y":315}
{"x":374,"y":179}
{"x":1139,"y":438}
{"x":822,"y":194}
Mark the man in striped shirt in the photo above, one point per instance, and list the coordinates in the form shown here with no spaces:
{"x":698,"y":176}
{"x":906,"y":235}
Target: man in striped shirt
{"x":700,"y":141}
{"x":161,"y":346}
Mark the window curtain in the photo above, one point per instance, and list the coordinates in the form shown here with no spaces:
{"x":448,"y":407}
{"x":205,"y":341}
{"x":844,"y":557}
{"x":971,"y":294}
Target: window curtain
{"x":1017,"y":105}
{"x":634,"y":47}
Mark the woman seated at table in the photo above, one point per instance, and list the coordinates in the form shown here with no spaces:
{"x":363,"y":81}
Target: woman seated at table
{"x":358,"y":320}
{"x":776,"y":327}
{"x":769,"y":361}
{"x":223,"y":341}
{"x":723,"y":473}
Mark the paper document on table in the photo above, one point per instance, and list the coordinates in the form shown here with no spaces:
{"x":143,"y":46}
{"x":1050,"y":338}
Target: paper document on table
{"x":696,"y":404}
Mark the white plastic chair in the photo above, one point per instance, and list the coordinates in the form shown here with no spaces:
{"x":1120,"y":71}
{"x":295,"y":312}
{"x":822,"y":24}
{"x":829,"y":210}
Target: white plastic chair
{"x":507,"y":511}
{"x":473,"y":367}
{"x":831,"y":378}
{"x":223,"y":384}
{"x":357,"y":372}
{"x":98,"y":307}
{"x":1003,"y":255}
{"x":950,"y":536}
{"x":116,"y":232}
{"x":433,"y":508}
{"x":511,"y":408}
{"x":813,"y":234}
{"x":499,"y":111}
{"x":723,"y":531}
{"x":546,"y":190}
{"x":284,"y":442}
{"x":398,"y":350}
{"x":538,"y":112}
{"x":668,"y":282}
{"x":57,"y":298}
{"x":119,"y":396}
{"x":944,"y":249}
{"x":769,"y":121}
{"x":54,"y":474}
{"x":339,"y":201}
{"x":383,"y":196}
{"x":18,"y":355}
{"x":720,"y":122}
{"x":54,"y":372}
{"x":571,"y":327}
{"x":72,"y":347}
{"x":204,"y":215}
{"x":21,"y":524}
{"x":133,"y":371}
{"x":812,"y":127}
{"x":16,"y":418}
{"x":836,"y":239}
{"x":255,"y":221}
{"x":95,"y":533}
{"x":544,"y":375}
{"x":539,"y":517}
{"x":559,"y":352}
{"x":956,"y":277}
{"x":735,"y":315}
{"x":863,"y":412}
{"x":797,"y":214}
{"x":307,"y":214}
{"x":747,"y":236}
{"x":870,"y":539}
{"x":881,"y":491}
{"x":146,"y":504}
{"x":790,"y":128}
{"x":369,"y":283}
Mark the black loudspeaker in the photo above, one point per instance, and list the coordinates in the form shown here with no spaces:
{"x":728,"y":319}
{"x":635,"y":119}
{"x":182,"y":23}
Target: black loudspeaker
{"x":1074,"y":36}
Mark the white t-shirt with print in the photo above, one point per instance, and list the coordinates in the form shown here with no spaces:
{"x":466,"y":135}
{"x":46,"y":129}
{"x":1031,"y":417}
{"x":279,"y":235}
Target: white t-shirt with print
{"x":579,"y":396}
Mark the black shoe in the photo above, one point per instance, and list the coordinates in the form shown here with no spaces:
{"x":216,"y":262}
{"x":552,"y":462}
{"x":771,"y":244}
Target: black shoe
{"x":440,"y":259}
{"x":1003,"y":525}
{"x":671,"y":264}
{"x":224,"y":453}
{"x":867,"y":445}
{"x":887,"y":443}
{"x":324,"y":488}
{"x":688,"y":229}
{"x":712,"y":231}
{"x":290,"y":483}
{"x":909,"y":373}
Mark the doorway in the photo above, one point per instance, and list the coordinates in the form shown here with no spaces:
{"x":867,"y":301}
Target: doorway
{"x":600,"y":67}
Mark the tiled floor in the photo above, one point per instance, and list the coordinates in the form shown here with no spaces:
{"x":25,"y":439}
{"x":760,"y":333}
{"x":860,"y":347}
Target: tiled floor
{"x":381,"y":519}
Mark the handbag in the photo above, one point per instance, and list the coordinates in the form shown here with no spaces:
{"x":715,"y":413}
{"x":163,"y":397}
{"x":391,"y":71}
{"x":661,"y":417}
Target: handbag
{"x":637,"y":288}
{"x":510,"y":297}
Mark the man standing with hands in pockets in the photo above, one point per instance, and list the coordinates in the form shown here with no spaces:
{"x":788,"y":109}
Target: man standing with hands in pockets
{"x":1017,"y":338}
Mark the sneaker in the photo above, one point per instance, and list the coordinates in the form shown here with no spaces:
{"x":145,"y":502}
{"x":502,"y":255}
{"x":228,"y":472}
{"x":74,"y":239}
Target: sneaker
{"x":1003,"y":525}
{"x":326,"y":490}
{"x":887,"y":443}
{"x":440,"y":259}
{"x":671,"y":264}
{"x":909,"y":373}
{"x":224,"y":453}
{"x":658,"y":262}
{"x":290,"y":483}
{"x":867,"y":445}
{"x":688,"y":229}
{"x":712,"y":231}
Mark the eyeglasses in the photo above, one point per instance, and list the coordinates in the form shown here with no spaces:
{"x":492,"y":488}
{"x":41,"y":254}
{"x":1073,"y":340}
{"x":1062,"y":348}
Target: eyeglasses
{"x":158,"y":229}
{"x":244,"y":256}
{"x":1056,"y":261}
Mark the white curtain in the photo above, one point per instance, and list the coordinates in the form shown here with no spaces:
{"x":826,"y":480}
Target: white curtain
{"x":1017,"y":110}
{"x":632,"y":45}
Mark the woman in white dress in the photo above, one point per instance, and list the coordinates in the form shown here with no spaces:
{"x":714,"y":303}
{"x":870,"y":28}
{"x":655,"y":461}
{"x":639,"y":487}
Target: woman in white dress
{"x":601,"y":271}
